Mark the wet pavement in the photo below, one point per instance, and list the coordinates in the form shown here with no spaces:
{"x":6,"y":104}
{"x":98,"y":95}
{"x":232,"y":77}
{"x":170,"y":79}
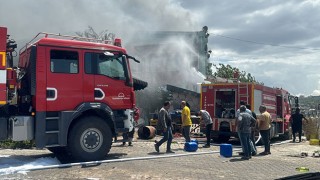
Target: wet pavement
{"x":141,"y":161}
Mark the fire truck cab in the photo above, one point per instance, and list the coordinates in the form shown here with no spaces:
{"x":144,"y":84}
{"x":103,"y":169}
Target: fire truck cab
{"x":222,"y":100}
{"x":67,"y":93}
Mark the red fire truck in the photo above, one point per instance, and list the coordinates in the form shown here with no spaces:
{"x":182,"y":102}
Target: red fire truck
{"x":222,"y":100}
{"x":68,"y":94}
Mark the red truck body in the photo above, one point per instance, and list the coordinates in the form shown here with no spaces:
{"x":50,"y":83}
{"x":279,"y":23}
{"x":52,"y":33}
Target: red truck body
{"x":222,"y":100}
{"x":3,"y":47}
{"x":67,"y":93}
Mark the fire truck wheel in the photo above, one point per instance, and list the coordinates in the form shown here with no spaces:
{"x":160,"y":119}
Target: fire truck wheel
{"x":90,"y":139}
{"x":287,"y":135}
{"x":57,"y":150}
{"x":223,"y":138}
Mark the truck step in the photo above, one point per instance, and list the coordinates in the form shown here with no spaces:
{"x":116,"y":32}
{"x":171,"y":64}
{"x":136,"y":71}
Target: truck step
{"x":51,"y":132}
{"x":53,"y":145}
{"x":51,"y":118}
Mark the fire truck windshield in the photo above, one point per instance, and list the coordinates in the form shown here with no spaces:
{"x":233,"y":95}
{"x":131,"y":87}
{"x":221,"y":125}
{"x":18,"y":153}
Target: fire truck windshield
{"x":110,"y":65}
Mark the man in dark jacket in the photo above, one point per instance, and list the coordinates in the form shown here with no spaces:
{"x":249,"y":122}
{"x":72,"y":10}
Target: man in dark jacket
{"x":164,"y":125}
{"x":244,"y":128}
{"x":296,"y":124}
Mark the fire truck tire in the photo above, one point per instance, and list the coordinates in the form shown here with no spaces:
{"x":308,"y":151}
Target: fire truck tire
{"x":90,"y":139}
{"x":223,"y":138}
{"x":57,"y":150}
{"x":215,"y":139}
{"x":287,"y":135}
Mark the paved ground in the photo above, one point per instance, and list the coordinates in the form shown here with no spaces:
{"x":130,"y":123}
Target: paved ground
{"x":282,"y":162}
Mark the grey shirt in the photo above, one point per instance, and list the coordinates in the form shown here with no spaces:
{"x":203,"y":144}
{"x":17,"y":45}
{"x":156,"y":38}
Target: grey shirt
{"x":206,"y":117}
{"x":164,"y":119}
{"x":244,"y":122}
{"x":247,"y":110}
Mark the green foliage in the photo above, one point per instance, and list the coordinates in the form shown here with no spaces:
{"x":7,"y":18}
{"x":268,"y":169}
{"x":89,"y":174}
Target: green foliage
{"x":228,"y":72}
{"x":9,"y":144}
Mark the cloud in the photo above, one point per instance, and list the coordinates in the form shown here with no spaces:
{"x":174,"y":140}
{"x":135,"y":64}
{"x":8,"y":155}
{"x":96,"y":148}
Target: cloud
{"x":276,"y":41}
{"x":284,"y":35}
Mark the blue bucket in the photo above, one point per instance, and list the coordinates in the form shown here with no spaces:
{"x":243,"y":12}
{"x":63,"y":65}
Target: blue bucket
{"x":226,"y":150}
{"x":190,"y":146}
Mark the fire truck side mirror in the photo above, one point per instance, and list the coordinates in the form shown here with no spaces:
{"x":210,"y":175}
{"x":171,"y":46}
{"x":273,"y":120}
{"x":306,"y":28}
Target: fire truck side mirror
{"x":296,"y":101}
{"x":126,"y":71}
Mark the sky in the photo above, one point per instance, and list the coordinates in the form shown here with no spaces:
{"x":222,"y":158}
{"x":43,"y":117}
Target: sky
{"x":276,"y":41}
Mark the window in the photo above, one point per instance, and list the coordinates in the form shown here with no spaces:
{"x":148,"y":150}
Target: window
{"x":64,"y":62}
{"x":98,"y":63}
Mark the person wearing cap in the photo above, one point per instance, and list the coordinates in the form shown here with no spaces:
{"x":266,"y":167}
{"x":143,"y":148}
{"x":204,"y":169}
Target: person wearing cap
{"x":207,"y":120}
{"x":296,"y":124}
{"x":244,"y":128}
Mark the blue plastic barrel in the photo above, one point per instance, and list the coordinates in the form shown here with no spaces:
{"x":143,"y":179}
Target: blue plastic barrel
{"x":226,"y":150}
{"x":190,"y":146}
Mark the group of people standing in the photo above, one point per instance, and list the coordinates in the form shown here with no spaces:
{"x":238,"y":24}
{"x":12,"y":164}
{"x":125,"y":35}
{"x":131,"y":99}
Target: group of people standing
{"x":247,"y":123}
{"x":164,"y":125}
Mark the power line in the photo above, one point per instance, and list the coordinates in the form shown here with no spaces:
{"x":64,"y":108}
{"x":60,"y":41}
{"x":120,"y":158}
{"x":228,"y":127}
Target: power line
{"x":266,"y":44}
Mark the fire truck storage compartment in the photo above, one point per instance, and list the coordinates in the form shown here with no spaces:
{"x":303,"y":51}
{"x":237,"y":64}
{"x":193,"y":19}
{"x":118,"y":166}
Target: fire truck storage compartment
{"x":22,"y":128}
{"x":3,"y":130}
{"x":225,"y":103}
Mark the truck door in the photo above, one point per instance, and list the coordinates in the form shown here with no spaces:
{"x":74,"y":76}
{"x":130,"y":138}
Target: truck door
{"x":64,"y":79}
{"x":110,"y":79}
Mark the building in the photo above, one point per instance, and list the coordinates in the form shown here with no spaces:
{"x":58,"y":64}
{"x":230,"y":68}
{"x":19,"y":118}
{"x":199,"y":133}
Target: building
{"x":168,"y":57}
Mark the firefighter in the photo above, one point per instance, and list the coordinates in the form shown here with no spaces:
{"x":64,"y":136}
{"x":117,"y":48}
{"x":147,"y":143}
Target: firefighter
{"x":129,"y":135}
{"x":296,"y":124}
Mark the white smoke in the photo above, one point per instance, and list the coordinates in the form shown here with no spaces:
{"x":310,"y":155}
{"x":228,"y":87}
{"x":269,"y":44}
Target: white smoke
{"x":127,"y":19}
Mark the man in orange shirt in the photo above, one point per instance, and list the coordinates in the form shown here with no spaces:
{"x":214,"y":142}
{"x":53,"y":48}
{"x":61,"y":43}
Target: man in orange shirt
{"x":186,"y":121}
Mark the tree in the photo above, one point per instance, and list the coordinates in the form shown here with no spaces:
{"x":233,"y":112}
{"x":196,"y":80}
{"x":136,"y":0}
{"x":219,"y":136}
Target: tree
{"x":103,"y":35}
{"x":229,"y":72}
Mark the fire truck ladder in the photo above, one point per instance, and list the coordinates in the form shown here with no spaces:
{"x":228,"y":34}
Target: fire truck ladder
{"x":59,"y":36}
{"x":243,"y":94}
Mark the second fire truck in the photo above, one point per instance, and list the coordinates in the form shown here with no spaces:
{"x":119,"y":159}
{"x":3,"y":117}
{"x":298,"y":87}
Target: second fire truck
{"x":222,"y":100}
